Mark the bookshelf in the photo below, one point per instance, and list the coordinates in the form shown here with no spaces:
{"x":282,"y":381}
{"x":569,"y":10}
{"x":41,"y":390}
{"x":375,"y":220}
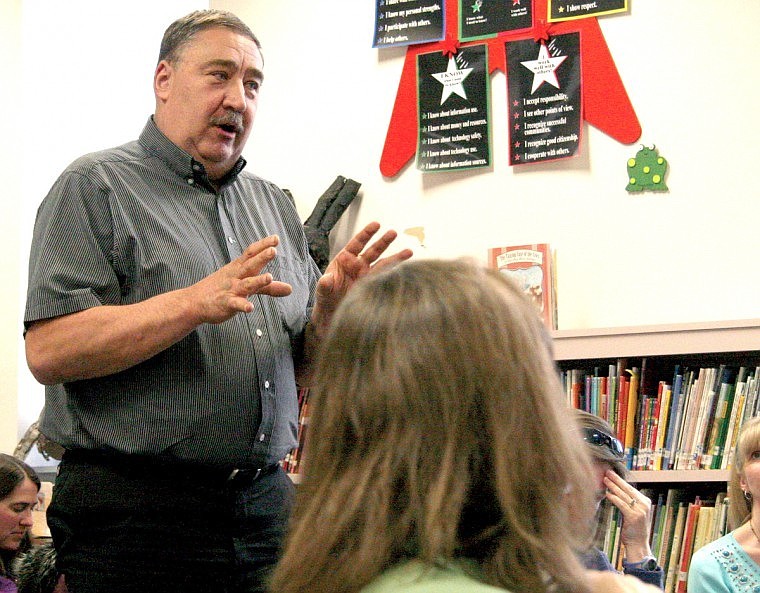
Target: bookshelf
{"x":735,"y":341}
{"x":679,"y":476}
{"x":697,"y":495}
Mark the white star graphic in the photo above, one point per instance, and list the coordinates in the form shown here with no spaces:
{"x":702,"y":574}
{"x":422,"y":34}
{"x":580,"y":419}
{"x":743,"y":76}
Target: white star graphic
{"x":452,"y":80}
{"x":543,"y":68}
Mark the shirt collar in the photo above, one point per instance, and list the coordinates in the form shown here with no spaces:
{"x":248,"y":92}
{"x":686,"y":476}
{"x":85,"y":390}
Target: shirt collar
{"x":178,"y":160}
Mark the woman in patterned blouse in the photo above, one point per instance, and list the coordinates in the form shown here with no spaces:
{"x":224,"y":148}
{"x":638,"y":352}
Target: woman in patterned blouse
{"x":732,"y":563}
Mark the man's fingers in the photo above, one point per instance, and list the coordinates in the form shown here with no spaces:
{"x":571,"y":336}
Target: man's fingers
{"x":374,"y":251}
{"x":248,"y":266}
{"x":394,"y":259}
{"x":276,"y":289}
{"x":360,"y":240}
{"x":256,"y":256}
{"x":260,"y":246}
{"x":266,"y":284}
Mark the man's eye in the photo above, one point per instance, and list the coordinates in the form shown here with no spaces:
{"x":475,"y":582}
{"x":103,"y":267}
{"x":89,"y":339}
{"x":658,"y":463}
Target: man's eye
{"x":220,"y":75}
{"x":253,"y":85}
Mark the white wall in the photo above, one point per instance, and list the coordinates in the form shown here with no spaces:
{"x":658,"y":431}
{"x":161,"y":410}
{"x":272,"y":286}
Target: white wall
{"x":690,"y":69}
{"x":84,"y":82}
{"x":689,"y":255}
{"x":10,"y":207}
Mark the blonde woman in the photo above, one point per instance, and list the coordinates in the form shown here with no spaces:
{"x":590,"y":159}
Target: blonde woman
{"x":732,"y":562}
{"x":439,"y":457}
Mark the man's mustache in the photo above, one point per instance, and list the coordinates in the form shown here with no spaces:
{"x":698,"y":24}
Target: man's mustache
{"x":230,"y":119}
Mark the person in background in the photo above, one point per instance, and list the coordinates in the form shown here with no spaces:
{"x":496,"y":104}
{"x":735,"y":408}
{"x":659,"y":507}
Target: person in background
{"x":19,"y":488}
{"x":731,"y":564}
{"x":172,"y":306}
{"x":438,"y":459}
{"x":610,"y":485}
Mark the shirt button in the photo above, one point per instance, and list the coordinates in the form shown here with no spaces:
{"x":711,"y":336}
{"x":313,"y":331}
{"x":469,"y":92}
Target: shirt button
{"x":259,"y":333}
{"x":196,"y":167}
{"x":266,"y":384}
{"x":190,"y":180}
{"x":232,"y":240}
{"x":262,"y":436}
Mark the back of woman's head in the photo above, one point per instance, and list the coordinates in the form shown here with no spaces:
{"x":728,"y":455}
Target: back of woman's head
{"x":436,"y":433}
{"x":12,"y":473}
{"x":739,"y":503}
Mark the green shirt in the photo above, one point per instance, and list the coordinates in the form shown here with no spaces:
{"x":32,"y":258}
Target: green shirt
{"x":416,"y":577}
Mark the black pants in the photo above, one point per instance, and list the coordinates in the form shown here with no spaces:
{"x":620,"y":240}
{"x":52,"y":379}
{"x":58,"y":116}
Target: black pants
{"x":120,"y":525}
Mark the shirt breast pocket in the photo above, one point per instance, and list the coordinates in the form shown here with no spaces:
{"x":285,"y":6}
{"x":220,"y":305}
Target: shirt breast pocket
{"x":293,"y":308}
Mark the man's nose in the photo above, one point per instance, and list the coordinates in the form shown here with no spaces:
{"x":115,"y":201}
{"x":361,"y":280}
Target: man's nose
{"x":235,"y":98}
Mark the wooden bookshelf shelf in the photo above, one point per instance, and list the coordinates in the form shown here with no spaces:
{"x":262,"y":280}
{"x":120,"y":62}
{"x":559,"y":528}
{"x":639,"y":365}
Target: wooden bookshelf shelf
{"x":658,"y":340}
{"x":675,"y":476}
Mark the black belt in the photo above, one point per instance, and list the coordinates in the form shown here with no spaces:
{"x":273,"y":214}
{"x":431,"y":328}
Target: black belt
{"x":148,"y":466}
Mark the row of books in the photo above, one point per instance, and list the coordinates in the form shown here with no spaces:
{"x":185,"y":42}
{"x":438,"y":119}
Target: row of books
{"x":679,"y":528}
{"x":688,"y":421}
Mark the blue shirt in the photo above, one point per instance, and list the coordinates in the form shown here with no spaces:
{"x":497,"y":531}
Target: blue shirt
{"x":125,"y":224}
{"x":723,"y":566}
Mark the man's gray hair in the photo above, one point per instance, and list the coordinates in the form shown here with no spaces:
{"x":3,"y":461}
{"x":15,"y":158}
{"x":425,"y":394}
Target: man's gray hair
{"x":185,"y":28}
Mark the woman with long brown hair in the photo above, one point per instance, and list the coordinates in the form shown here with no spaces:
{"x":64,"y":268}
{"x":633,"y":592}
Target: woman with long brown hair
{"x":440,"y":455}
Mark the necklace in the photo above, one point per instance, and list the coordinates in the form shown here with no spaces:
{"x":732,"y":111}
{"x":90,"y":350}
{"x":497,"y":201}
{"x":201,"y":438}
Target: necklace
{"x":753,"y":530}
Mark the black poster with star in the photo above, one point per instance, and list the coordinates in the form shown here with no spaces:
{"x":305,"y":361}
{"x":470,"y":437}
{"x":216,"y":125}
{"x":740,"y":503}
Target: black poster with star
{"x":453,"y":108}
{"x":544,"y":95}
{"x":479,"y":19}
{"x":404,"y":22}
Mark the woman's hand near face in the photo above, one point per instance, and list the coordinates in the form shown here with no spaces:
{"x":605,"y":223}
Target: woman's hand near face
{"x":637,"y":515}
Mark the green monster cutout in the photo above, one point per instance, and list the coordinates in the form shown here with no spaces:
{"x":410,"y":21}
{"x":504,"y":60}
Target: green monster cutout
{"x":646,"y":172}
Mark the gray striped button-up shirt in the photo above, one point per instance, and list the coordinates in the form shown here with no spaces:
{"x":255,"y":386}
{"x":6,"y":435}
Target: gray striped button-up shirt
{"x":122,"y":225}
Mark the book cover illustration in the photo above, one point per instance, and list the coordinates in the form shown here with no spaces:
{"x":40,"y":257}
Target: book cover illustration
{"x":532,"y":267}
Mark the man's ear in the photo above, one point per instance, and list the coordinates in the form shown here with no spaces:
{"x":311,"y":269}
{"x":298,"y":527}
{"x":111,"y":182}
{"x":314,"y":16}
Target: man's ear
{"x":162,"y":79}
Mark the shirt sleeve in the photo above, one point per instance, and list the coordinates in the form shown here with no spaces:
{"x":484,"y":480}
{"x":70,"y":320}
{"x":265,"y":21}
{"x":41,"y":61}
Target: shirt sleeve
{"x":70,"y":263}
